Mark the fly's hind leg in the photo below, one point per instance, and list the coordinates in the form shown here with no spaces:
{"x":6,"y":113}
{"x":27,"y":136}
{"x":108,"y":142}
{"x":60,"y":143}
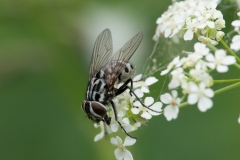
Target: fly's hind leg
{"x":116,"y":118}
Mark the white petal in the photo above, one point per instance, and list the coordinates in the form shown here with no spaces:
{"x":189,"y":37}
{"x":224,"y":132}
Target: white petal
{"x":114,"y":141}
{"x":150,"y":80}
{"x":228,"y":60}
{"x":148,"y":101}
{"x":146,"y":115}
{"x":119,"y":140}
{"x":135,"y":110}
{"x":114,"y":127}
{"x":125,"y":120}
{"x":204,"y":104}
{"x":219,"y":54}
{"x":209,"y":92}
{"x":171,"y":112}
{"x":129,"y":141}
{"x":211,"y":65}
{"x":137,"y":103}
{"x":137,"y":78}
{"x":118,"y":154}
{"x":156,"y":107}
{"x":127,"y":127}
{"x":236,"y":38}
{"x":139,"y":93}
{"x":167,"y":32}
{"x":210,"y":24}
{"x":239,"y":119}
{"x":173,"y":84}
{"x":166,"y":98}
{"x":236,"y":23}
{"x":127,"y":155}
{"x":222,"y":68}
{"x":165,"y":71}
{"x":99,"y":136}
{"x":192,"y":98}
{"x":174,"y":93}
{"x":193,"y":87}
{"x":145,"y":89}
{"x":235,"y":46}
{"x":210,"y":57}
{"x":188,"y":35}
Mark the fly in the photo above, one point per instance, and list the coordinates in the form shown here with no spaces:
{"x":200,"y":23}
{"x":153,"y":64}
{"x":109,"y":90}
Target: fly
{"x":106,"y":71}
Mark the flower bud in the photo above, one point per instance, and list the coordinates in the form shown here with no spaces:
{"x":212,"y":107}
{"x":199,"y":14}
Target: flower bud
{"x":220,"y":35}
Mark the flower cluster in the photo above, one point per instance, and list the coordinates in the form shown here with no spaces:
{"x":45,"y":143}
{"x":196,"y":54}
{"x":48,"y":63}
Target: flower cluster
{"x":192,"y":75}
{"x":189,"y":17}
{"x":235,"y":45}
{"x":131,"y":113}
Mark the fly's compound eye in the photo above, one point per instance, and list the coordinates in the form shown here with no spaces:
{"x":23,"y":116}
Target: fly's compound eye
{"x":99,"y":109}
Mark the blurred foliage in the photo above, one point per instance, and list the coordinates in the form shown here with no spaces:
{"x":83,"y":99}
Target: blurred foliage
{"x":43,"y":80}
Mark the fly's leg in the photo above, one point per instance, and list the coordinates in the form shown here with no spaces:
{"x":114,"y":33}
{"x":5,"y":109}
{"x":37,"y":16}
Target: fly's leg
{"x":115,"y":114}
{"x":107,"y":119}
{"x":125,"y":87}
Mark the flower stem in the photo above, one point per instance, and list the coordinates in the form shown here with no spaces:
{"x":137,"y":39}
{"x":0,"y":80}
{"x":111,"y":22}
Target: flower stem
{"x":229,"y":50}
{"x":184,"y":104}
{"x":226,"y":81}
{"x":237,"y":65}
{"x":213,"y":48}
{"x":224,"y":89}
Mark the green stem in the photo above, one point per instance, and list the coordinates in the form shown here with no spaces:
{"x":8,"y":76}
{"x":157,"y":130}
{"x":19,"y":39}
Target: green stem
{"x":237,"y":65}
{"x":226,"y":81}
{"x":183,"y":105}
{"x":224,"y":89}
{"x":229,"y":50}
{"x":213,"y":48}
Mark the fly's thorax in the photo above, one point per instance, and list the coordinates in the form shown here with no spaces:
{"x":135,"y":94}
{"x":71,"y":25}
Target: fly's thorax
{"x":119,"y":70}
{"x":127,"y":72}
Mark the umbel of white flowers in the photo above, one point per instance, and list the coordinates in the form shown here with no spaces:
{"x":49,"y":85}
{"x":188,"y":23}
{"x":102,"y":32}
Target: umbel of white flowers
{"x":189,"y":17}
{"x":191,"y":75}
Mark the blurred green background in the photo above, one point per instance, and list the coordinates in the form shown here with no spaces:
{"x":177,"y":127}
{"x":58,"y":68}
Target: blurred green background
{"x":45,"y":49}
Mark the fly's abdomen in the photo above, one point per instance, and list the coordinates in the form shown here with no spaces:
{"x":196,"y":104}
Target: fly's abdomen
{"x":96,"y":90}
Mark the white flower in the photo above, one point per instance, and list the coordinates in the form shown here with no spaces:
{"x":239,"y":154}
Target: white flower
{"x":145,"y":112}
{"x":121,"y":152}
{"x":235,"y":45}
{"x":177,"y":77}
{"x":170,"y":65}
{"x":220,"y":61}
{"x":201,"y":75}
{"x":200,"y":50}
{"x":191,"y":16}
{"x":104,"y":131}
{"x":124,"y":122}
{"x":143,"y":85}
{"x":171,"y":110}
{"x":200,"y":94}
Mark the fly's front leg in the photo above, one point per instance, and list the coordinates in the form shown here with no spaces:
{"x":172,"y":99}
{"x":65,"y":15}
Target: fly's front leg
{"x":124,"y":87}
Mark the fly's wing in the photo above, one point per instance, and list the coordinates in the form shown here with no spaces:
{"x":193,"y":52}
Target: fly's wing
{"x":124,"y":54}
{"x":102,"y":52}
